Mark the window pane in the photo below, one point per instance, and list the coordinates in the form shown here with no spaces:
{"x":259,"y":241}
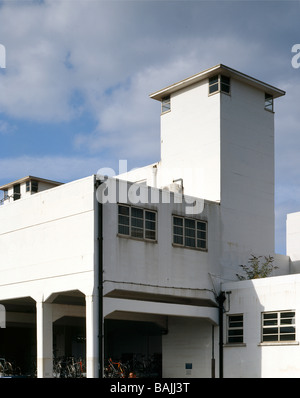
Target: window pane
{"x":34,"y":186}
{"x":271,"y":331}
{"x":150,"y":215}
{"x":137,"y":222}
{"x":225,"y":88}
{"x":166,"y":104}
{"x":270,"y":338}
{"x":137,"y":232}
{"x":178,"y":239}
{"x":225,"y":79}
{"x":270,"y":322}
{"x":150,"y":235}
{"x":123,"y":230}
{"x":178,"y":230}
{"x":136,"y":212}
{"x":189,"y":223}
{"x":178,"y":221}
{"x":272,"y":315}
{"x":190,"y":242}
{"x":190,"y":232}
{"x":150,"y":225}
{"x":123,"y":220}
{"x":213,"y":80}
{"x":201,"y":226}
{"x":288,"y":337}
{"x":201,"y":234}
{"x":124,"y":210}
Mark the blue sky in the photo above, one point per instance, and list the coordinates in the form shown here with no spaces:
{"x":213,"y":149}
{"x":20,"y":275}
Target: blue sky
{"x":74,"y":93}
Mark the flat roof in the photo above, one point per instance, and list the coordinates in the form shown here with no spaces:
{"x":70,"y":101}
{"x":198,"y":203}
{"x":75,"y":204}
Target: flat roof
{"x":217,"y":69}
{"x":28,"y":178}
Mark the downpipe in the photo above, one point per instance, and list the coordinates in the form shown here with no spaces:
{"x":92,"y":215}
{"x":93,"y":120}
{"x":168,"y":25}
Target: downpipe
{"x":220,"y":299}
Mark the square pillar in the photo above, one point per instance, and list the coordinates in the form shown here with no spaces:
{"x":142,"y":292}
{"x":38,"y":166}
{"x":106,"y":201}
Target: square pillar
{"x":44,"y":327}
{"x":92,"y":336}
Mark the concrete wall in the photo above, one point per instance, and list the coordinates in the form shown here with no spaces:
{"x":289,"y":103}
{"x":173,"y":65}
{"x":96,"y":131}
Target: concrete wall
{"x":247,"y":172}
{"x":293,"y":240}
{"x":254,"y":358}
{"x":159,"y":267}
{"x":188,"y":341}
{"x":46,"y":237}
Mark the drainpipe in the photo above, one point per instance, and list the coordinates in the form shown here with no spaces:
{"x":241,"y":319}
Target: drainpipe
{"x":220,"y":299}
{"x":100,"y":282}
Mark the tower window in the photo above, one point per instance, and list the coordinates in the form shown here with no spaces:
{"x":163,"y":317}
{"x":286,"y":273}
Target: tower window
{"x":32,"y":186}
{"x":219,"y":83}
{"x":269,"y":102}
{"x":166,"y":104}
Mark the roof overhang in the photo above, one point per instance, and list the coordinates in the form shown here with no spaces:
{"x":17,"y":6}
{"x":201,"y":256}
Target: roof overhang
{"x":28,"y":178}
{"x":218,"y":69}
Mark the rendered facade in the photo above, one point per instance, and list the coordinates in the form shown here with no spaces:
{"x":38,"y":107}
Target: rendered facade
{"x":145,"y":264}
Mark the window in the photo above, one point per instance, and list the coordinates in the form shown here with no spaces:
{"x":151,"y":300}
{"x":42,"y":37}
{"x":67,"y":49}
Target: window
{"x":137,"y":222}
{"x":269,"y":102}
{"x":188,"y":232}
{"x":166,"y":104}
{"x":5,"y":194}
{"x":17,"y":192}
{"x":278,"y":326}
{"x":219,"y":83}
{"x":32,"y":186}
{"x":235,"y":329}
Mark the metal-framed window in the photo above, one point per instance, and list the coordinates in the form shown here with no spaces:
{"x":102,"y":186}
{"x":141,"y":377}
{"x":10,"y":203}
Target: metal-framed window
{"x":32,"y":186}
{"x":188,"y":232}
{"x":166,"y":104}
{"x":269,"y":102}
{"x":219,"y":83}
{"x":235,"y":329}
{"x":278,"y":326}
{"x":137,"y":222}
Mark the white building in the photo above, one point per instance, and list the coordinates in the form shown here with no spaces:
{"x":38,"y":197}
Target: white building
{"x":146,"y":265}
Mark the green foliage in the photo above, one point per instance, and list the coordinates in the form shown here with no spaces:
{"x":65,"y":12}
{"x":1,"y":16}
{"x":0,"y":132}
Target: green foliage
{"x":259,"y":267}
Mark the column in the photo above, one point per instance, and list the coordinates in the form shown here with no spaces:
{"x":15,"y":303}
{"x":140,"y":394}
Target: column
{"x":44,"y":340}
{"x":92,"y":336}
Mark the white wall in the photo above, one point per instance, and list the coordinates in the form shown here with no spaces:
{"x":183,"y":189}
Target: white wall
{"x":158,"y":267}
{"x":188,"y":341}
{"x":47,"y":236}
{"x":251,"y":298}
{"x":293,"y":240}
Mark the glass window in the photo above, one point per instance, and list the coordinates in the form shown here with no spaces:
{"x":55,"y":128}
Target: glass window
{"x":189,"y":233}
{"x":17,"y":192}
{"x":34,"y":186}
{"x":278,"y":326}
{"x":219,"y":83}
{"x":213,"y":84}
{"x":166,"y":104}
{"x":225,"y":84}
{"x":136,"y":222}
{"x":269,"y":102}
{"x":235,"y":328}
